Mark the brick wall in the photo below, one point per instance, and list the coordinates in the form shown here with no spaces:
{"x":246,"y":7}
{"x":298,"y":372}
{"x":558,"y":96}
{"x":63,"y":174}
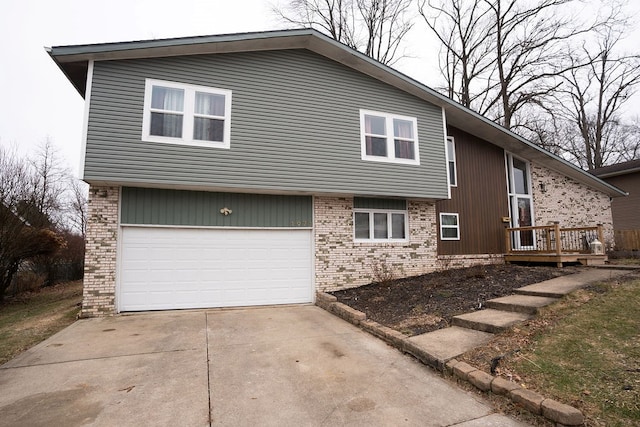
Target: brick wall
{"x":342,"y":263}
{"x":570,"y":202}
{"x":446,"y":262}
{"x":100,"y":259}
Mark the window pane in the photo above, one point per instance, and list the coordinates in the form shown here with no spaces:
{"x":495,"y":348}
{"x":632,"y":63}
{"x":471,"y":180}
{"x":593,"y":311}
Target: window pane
{"x":449,"y":220}
{"x":166,"y":98}
{"x":208,"y":129}
{"x":166,"y":125}
{"x":450,"y":151}
{"x":376,"y":146}
{"x":404,"y":149}
{"x":520,"y":177}
{"x":452,"y":173}
{"x":450,"y":233}
{"x":402,"y":129}
{"x":375,"y":125}
{"x":209,"y":104}
{"x":397,"y":226}
{"x":362,"y":225}
{"x":380,"y":230}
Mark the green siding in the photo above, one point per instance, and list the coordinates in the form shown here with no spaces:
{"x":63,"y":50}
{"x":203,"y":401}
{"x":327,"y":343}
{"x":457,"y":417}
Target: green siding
{"x":370,"y":203}
{"x":200,"y":208}
{"x":295,"y":127}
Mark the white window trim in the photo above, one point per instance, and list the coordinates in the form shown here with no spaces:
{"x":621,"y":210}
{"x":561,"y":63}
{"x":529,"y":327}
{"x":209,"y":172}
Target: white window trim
{"x":390,"y":158}
{"x":442,"y":226}
{"x":454,"y":161}
{"x":389,"y":212}
{"x":188,"y":114}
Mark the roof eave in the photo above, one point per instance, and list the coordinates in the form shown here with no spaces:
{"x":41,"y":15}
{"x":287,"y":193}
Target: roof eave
{"x":618,"y":173}
{"x":67,"y":57}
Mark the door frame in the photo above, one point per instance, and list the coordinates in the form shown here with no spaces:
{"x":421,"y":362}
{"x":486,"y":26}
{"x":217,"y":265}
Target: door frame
{"x":519,"y":239}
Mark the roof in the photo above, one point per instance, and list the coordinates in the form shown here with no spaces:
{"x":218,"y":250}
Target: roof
{"x":624,"y":168}
{"x":74,"y":60}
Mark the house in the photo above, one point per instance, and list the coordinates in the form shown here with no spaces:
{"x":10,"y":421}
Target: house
{"x":626,"y":222}
{"x":259,"y":168}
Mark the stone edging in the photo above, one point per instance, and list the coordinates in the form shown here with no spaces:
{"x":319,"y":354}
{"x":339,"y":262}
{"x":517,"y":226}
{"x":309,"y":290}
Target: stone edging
{"x":552,"y":410}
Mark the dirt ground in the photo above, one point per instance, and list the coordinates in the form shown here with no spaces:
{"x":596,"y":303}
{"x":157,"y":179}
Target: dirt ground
{"x":420,"y":304}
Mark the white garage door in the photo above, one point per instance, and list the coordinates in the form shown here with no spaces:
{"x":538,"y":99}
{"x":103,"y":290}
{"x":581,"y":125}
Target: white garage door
{"x":170,"y":268}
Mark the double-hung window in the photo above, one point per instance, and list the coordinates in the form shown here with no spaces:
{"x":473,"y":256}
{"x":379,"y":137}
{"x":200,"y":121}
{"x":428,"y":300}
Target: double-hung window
{"x":186,"y":114}
{"x":377,"y":221}
{"x":389,"y":138}
{"x":449,"y":226}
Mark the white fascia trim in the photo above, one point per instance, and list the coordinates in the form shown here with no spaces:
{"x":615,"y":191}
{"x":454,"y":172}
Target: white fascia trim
{"x":85,"y":122}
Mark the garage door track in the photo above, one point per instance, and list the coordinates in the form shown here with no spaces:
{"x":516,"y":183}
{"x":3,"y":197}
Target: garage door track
{"x":279,"y":366}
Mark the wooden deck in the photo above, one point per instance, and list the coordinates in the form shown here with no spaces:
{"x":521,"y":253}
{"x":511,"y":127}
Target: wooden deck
{"x":552,"y":244}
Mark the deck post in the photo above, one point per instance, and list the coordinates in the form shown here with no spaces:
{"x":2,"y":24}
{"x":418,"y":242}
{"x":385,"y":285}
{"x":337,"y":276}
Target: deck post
{"x":556,"y":230}
{"x":508,"y":239}
{"x":601,"y":234}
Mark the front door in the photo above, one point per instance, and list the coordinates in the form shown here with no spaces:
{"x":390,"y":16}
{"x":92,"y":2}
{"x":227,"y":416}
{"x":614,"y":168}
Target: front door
{"x":520,"y":202}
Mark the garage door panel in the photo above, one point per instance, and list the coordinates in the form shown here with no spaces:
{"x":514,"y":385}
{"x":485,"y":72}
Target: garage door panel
{"x":168,"y":268}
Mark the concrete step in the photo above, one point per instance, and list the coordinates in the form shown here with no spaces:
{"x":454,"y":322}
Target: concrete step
{"x":448,"y":343}
{"x":489,"y":320}
{"x":520,"y":303}
{"x":561,"y":286}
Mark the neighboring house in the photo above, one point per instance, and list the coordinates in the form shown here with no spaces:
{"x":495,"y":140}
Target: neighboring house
{"x":259,"y":168}
{"x":626,"y":210}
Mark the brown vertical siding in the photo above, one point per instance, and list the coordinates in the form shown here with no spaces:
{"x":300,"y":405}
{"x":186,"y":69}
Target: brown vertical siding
{"x":626,"y":210}
{"x":480,"y":198}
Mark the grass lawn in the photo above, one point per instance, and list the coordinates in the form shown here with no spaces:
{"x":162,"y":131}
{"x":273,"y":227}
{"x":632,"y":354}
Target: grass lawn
{"x":32,"y":317}
{"x":592,"y":357}
{"x":583,"y":351}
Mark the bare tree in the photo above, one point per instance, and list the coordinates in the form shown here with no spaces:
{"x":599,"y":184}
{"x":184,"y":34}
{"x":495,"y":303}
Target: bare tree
{"x":508,"y":53}
{"x":49,"y":184}
{"x":465,"y":32}
{"x":77,"y":207}
{"x":387,"y":22}
{"x":374,"y":27}
{"x":19,"y":238}
{"x":592,"y":97}
{"x":333,"y":17}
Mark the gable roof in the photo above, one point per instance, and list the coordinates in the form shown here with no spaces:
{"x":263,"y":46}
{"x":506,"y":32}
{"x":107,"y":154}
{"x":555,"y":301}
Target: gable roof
{"x":74,"y":63}
{"x":617,"y":169}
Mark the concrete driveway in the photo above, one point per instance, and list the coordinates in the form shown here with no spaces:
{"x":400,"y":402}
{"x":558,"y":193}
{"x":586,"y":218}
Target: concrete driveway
{"x":275,"y":366}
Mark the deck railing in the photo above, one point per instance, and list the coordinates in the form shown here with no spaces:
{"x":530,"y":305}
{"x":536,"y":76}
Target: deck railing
{"x":551,"y":239}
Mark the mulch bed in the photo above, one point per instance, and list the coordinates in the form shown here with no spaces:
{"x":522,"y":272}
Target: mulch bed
{"x":420,"y":304}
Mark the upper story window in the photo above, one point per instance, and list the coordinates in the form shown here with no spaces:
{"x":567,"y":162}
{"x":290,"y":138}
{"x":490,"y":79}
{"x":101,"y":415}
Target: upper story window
{"x":389,"y":138}
{"x":186,"y":114}
{"x":451,"y":162}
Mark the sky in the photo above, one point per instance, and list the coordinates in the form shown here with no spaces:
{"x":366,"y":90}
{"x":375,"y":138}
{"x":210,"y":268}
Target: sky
{"x":39,"y":103}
